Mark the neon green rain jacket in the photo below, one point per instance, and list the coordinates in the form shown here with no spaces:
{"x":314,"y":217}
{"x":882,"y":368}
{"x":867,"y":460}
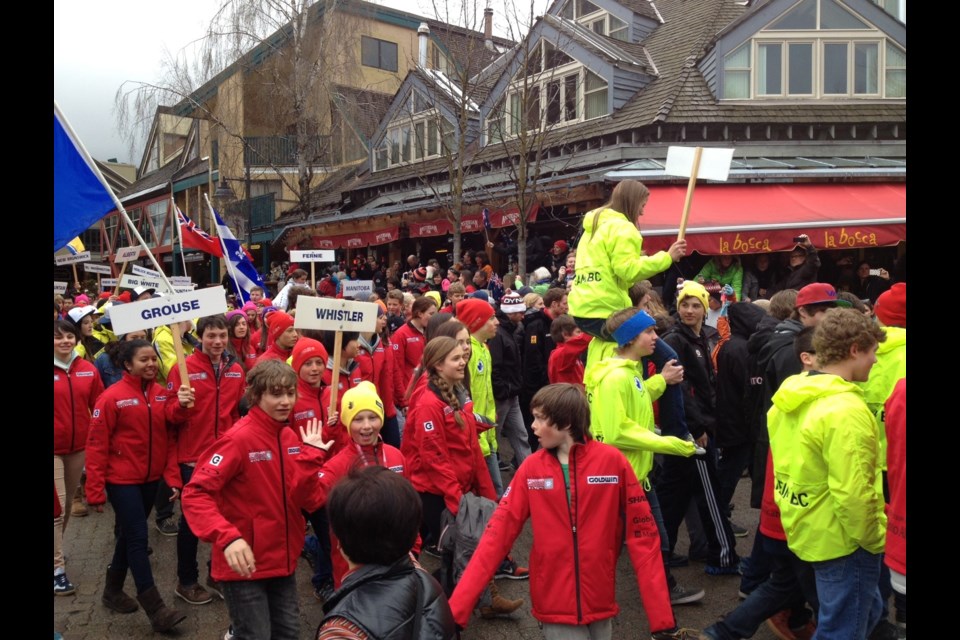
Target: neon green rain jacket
{"x":481,"y":390}
{"x":890,"y":367}
{"x":621,"y":413}
{"x":825,"y":449}
{"x":609,"y":262}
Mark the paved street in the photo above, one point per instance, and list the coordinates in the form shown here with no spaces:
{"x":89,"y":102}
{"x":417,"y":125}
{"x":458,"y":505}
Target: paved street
{"x":89,"y":544}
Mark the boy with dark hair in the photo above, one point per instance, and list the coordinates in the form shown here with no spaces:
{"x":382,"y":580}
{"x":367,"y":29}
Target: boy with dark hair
{"x":571,"y":468}
{"x":537,"y":347}
{"x":825,"y":448}
{"x":566,"y":362}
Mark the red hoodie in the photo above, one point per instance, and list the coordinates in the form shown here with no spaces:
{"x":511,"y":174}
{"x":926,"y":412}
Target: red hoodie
{"x":246,"y":352}
{"x":128,"y":442}
{"x":564,"y":364}
{"x":75,"y":394}
{"x":252,"y":483}
{"x":896,"y":425}
{"x":408,"y":343}
{"x":576,"y":542}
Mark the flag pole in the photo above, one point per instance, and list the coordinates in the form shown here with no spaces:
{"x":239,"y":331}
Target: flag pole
{"x":226,"y":253}
{"x":176,"y":209}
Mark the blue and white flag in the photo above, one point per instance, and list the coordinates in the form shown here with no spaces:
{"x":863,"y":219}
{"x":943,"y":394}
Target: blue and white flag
{"x":80,"y":196}
{"x":241,"y":270}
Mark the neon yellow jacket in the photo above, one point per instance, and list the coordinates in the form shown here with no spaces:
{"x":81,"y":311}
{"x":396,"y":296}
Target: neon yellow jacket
{"x":163,"y":343}
{"x":609,"y":262}
{"x":825,"y":449}
{"x":890,"y":367}
{"x":621,"y":413}
{"x":481,"y":390}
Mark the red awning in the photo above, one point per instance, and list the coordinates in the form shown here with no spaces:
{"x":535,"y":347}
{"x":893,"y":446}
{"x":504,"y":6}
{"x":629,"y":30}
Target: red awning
{"x":439,"y":227}
{"x":357,"y":240}
{"x":382,"y":236}
{"x":755,"y":218}
{"x":510,"y":216}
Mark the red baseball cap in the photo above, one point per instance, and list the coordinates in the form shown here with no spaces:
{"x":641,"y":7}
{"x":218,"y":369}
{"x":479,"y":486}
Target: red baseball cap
{"x":819,"y":293}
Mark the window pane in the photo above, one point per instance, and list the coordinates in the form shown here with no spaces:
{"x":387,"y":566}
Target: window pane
{"x":616,"y":23}
{"x":800,"y":63}
{"x":432,"y":138}
{"x":369,"y":52}
{"x":594,"y":82}
{"x":595,"y":104}
{"x":533,"y":61}
{"x":769,"y":69}
{"x":553,"y":102}
{"x":405,"y":143}
{"x":803,"y":16}
{"x":532,"y":121}
{"x":420,"y":103}
{"x":621,"y":34}
{"x":585,"y":6}
{"x":896,"y":83}
{"x":515,"y":113}
{"x":896,"y":57}
{"x":866,"y":67}
{"x":833,"y":16}
{"x":567,"y":11}
{"x":599,"y":26}
{"x":570,"y":96}
{"x":381,"y":157}
{"x":739,"y":58}
{"x":835,"y":67}
{"x":736,"y":85}
{"x":419,"y":141}
{"x":388,"y":56}
{"x":449,"y":140}
{"x":395,"y":146}
{"x":554,"y":57}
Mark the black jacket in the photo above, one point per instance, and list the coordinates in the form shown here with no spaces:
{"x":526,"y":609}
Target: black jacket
{"x":735,"y":396}
{"x":537,"y":347}
{"x":699,"y":377}
{"x":384,"y":602}
{"x":507,"y":375}
{"x":803,"y":275}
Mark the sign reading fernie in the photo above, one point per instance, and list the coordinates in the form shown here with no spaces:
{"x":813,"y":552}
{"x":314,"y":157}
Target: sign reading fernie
{"x":356,"y":288}
{"x":83,"y":256}
{"x":332,"y":314}
{"x":161,"y":311}
{"x":315,"y":255}
{"x":126,"y":254}
{"x":59,"y":287}
{"x":90,"y":267}
{"x":143,"y":271}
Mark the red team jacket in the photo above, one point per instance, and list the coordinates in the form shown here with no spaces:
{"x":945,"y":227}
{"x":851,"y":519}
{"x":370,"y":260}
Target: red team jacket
{"x":408,"y":345}
{"x":128,"y":441}
{"x":273,"y":352}
{"x":573,"y":559}
{"x":896,"y":424}
{"x":564,"y":364}
{"x":215,"y":396}
{"x":378,"y":367}
{"x":252,"y":484}
{"x":444,"y":458}
{"x":345,"y":382}
{"x":75,"y":394}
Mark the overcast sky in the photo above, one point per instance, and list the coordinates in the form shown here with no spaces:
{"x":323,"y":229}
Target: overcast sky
{"x":99,"y":45}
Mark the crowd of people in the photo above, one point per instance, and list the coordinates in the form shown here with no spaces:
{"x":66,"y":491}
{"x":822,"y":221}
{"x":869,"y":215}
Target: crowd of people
{"x":629,"y":410}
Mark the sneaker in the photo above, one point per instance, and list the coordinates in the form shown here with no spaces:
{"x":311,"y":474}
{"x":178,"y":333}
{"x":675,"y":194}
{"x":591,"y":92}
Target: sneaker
{"x":214,"y":586}
{"x":324,"y":592}
{"x":431,"y":550}
{"x":677,"y":560}
{"x":743,"y":595}
{"x":511,"y":571}
{"x":886,"y":630}
{"x":194,"y":594}
{"x":229,"y":634}
{"x":78,"y":509}
{"x":732,"y":570}
{"x":62,"y":585}
{"x":168,"y":527}
{"x":679,"y":634}
{"x":505,"y":466}
{"x":778,"y":624}
{"x":311,"y":551}
{"x":681,"y":595}
{"x":738,"y":531}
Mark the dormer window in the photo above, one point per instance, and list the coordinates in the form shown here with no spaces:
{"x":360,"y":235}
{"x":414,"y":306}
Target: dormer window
{"x":418,"y":132}
{"x":596,"y":19}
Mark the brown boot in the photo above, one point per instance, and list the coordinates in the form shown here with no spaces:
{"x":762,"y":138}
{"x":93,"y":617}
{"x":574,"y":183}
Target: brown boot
{"x":77,"y":508}
{"x":499,"y":605}
{"x":113,"y":596}
{"x":162,"y":617}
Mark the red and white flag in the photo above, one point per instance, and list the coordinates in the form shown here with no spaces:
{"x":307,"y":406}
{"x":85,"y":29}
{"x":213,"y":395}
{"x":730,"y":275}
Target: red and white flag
{"x":196,"y":238}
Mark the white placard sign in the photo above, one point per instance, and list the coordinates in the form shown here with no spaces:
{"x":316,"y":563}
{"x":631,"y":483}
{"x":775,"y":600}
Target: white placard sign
{"x":132,"y":282}
{"x":161,"y":311}
{"x":332,"y":314}
{"x":108,"y":283}
{"x":181,"y":281}
{"x":143,"y":271}
{"x":83,"y":256}
{"x":313,"y":255}
{"x":90,"y":267}
{"x":59,"y":287}
{"x":354,"y":288}
{"x":714,"y":163}
{"x":126,"y":254}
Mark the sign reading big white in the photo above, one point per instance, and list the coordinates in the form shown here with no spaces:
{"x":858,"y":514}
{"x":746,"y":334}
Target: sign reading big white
{"x":332,"y":314}
{"x":314,"y":255}
{"x":151,"y":313}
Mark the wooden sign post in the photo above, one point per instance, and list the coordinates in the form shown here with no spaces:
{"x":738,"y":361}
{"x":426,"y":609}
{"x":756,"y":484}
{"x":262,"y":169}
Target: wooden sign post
{"x":696,"y":162}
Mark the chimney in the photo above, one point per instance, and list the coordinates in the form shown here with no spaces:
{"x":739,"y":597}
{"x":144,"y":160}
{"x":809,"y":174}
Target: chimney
{"x":488,"y":28}
{"x":423,"y":34}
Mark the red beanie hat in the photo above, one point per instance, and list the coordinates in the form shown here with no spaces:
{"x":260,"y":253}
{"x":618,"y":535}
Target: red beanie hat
{"x":305,"y":349}
{"x":277,"y":323}
{"x":124,"y":297}
{"x":473,"y":313}
{"x":891,"y":306}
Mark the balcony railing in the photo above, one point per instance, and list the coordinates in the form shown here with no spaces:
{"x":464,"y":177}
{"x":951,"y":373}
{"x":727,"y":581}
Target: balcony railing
{"x":282,"y":151}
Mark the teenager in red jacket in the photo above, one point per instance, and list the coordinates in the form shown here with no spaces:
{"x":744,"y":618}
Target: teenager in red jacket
{"x":76,"y":387}
{"x":245,"y":498}
{"x":128,"y":450}
{"x":217,"y":383}
{"x":281,"y":336}
{"x":896,"y":550}
{"x":375,"y":360}
{"x":241,"y":344}
{"x":565,"y":363}
{"x":408,"y":342}
{"x":580,"y":496}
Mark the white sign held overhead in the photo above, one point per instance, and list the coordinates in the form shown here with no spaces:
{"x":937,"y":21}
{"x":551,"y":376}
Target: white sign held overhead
{"x":714,"y":163}
{"x":181,"y":281}
{"x":143,"y":271}
{"x":90,"y":267}
{"x":83,"y":256}
{"x":59,"y":287}
{"x":357,"y":288}
{"x":108,"y":283}
{"x":313,"y":255}
{"x":332,"y":314}
{"x":168,"y":310}
{"x":132,"y":282}
{"x":126,"y":254}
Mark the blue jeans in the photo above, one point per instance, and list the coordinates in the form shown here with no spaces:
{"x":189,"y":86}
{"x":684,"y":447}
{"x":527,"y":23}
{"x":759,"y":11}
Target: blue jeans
{"x":391,"y":431}
{"x":265,"y":609}
{"x":850,"y":603}
{"x":755,"y":569}
{"x":323,"y":569}
{"x":493,"y":466}
{"x":132,"y":504}
{"x":789,"y":581}
{"x":511,"y":425}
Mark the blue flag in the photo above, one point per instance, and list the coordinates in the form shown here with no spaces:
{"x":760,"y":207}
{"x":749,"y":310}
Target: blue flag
{"x":79,"y":197}
{"x":242,"y":271}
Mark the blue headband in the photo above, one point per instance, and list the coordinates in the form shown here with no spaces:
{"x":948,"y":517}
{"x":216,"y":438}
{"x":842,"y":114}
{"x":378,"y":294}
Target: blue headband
{"x":633,"y":327}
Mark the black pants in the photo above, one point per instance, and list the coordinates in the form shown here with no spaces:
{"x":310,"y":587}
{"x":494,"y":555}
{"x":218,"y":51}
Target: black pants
{"x":433,"y":506}
{"x":162,"y":505}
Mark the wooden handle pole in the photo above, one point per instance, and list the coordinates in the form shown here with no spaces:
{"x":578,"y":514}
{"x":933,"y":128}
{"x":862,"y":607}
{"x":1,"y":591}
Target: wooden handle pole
{"x":335,"y":381}
{"x":123,"y":267}
{"x":313,"y":275}
{"x":181,"y":359}
{"x":690,"y":186}
{"x":76,"y":279}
